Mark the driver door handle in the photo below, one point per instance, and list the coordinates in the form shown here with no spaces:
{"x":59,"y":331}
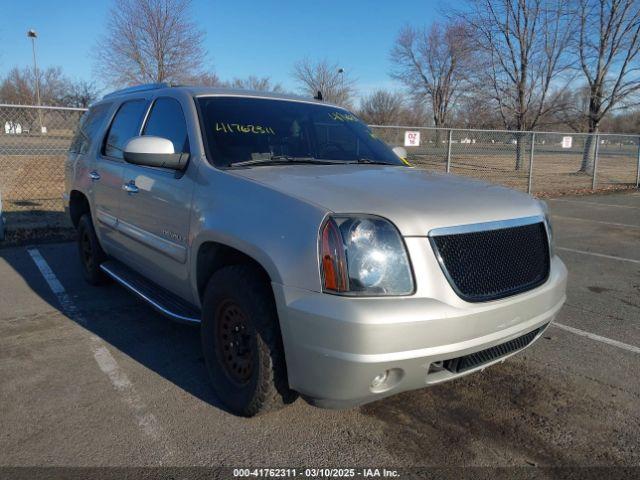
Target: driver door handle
{"x":130,"y":187}
{"x":94,"y":175}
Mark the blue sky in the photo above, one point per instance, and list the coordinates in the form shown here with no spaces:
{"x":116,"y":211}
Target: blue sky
{"x":263,"y":38}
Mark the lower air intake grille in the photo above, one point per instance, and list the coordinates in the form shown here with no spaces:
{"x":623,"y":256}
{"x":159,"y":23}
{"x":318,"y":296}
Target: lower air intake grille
{"x":473,"y":360}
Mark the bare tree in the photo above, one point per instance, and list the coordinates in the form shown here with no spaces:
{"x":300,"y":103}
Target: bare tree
{"x":608,"y":46}
{"x":569,"y":114}
{"x":382,"y":108}
{"x":259,"y":84}
{"x":432,"y":64}
{"x":18,"y":87}
{"x":475,"y":110}
{"x":149,"y":41}
{"x":80,"y":94}
{"x":332,"y":81}
{"x":626,"y":122}
{"x":205,"y":79}
{"x":525,"y":46}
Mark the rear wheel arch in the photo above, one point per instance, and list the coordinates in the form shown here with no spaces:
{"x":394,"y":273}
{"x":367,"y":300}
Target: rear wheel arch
{"x":90,"y":252}
{"x":78,"y":206}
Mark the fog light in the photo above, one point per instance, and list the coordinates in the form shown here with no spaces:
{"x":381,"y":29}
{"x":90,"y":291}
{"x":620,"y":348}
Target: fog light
{"x":386,"y":380}
{"x":436,"y":367}
{"x":379,"y":380}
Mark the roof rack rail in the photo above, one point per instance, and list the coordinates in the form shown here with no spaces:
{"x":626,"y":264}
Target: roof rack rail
{"x":137,"y":88}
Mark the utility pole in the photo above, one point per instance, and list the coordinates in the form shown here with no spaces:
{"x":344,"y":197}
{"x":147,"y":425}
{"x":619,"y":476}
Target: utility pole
{"x":32,"y":34}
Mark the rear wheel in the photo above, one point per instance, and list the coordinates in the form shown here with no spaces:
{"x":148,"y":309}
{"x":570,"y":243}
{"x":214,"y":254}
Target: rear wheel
{"x":242,"y":344}
{"x":91,"y":253}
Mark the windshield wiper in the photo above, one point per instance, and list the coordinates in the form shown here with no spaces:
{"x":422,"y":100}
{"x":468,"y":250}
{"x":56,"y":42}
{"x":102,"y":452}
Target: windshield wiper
{"x":371,"y":161}
{"x":276,"y":159}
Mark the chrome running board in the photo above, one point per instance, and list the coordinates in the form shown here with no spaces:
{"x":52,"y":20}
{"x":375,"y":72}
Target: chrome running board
{"x":163,"y":301}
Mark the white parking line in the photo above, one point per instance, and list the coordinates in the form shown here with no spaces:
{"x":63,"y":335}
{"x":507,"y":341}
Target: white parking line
{"x":591,"y":203}
{"x":601,"y":255}
{"x":613,"y":224}
{"x":147,"y":422}
{"x":597,"y":338}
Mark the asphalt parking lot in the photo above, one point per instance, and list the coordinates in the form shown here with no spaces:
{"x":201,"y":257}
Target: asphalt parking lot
{"x":92,"y":377}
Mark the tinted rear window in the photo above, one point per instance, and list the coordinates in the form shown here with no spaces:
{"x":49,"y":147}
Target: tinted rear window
{"x":89,"y":128}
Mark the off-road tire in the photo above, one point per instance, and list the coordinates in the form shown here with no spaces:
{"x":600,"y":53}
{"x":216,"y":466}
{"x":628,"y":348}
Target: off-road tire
{"x":90,"y":252}
{"x":263,"y":386}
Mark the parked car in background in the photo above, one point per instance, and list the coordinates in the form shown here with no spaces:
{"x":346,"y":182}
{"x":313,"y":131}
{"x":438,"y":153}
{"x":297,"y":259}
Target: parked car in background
{"x":314,"y":261}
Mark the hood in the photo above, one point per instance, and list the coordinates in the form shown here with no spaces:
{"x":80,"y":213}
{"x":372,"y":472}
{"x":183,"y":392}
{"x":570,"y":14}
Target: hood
{"x":416,"y":201}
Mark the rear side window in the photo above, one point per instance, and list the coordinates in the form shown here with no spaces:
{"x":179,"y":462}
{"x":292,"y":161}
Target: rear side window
{"x":124,"y":127}
{"x":89,"y":128}
{"x":166,"y":120}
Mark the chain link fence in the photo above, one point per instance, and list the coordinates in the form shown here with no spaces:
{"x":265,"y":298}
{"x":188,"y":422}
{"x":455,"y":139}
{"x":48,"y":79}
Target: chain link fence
{"x":33,"y":147}
{"x":34,"y":143}
{"x":535,"y":162}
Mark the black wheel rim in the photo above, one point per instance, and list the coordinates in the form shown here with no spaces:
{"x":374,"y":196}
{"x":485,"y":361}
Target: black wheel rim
{"x":234,"y":340}
{"x":86,"y":251}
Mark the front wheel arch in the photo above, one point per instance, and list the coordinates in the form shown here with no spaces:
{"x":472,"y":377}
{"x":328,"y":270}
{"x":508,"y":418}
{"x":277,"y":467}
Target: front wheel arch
{"x":265,"y":387}
{"x":212,"y":256}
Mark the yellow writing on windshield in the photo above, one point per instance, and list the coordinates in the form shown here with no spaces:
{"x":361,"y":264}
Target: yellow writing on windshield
{"x":343,"y":117}
{"x":241,"y":128}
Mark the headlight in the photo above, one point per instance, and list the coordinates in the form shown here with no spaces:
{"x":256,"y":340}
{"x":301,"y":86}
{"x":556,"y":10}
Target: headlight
{"x":363,"y":255}
{"x":547,"y":221}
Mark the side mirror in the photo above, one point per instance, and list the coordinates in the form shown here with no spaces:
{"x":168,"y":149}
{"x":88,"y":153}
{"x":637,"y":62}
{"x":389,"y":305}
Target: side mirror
{"x":400,"y":152}
{"x":154,"y":152}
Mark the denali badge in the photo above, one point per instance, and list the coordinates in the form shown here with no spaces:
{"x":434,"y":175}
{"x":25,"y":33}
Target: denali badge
{"x":172,"y":236}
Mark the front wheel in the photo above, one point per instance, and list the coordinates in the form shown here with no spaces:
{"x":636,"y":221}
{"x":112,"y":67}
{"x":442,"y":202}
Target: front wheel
{"x":242,"y":344}
{"x":91,"y":253}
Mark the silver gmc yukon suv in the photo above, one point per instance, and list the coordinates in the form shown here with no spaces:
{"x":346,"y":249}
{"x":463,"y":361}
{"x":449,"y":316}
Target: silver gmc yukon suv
{"x":313,"y":258}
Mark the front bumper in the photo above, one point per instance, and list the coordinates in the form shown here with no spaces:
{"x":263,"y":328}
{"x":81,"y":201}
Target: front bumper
{"x":335,"y":346}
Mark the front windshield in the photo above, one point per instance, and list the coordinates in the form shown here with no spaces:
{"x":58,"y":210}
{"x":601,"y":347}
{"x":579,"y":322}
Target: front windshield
{"x":239,"y":129}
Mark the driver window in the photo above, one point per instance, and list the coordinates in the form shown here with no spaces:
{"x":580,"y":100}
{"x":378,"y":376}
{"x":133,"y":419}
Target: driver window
{"x":166,"y":120}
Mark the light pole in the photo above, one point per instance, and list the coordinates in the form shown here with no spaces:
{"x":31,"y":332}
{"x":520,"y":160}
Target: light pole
{"x":32,"y":34}
{"x":341,"y":73}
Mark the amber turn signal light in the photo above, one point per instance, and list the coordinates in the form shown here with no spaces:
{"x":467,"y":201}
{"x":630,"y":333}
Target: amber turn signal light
{"x":332,"y":259}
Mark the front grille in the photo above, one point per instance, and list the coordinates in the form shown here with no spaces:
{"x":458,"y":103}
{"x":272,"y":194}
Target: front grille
{"x":492,"y":264}
{"x":473,"y":360}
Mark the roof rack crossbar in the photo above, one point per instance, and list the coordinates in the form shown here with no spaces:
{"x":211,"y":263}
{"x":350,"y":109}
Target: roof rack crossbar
{"x":137,"y":88}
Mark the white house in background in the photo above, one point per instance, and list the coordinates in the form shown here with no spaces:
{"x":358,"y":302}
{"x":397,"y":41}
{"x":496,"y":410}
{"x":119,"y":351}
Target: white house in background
{"x":12,"y":128}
